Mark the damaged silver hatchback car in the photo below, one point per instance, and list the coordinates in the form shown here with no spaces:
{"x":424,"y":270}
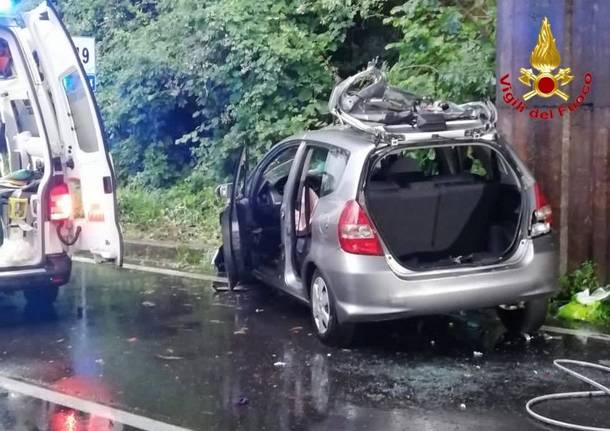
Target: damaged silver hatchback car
{"x":405,"y":207}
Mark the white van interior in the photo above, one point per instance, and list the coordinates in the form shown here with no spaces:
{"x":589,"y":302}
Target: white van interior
{"x":24,"y":159}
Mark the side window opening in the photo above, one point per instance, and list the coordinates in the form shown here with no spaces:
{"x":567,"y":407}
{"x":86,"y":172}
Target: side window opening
{"x":279,"y":168}
{"x":333,"y":170}
{"x":7,"y":69}
{"x":320,"y":177}
{"x":80,"y":109}
{"x":24,"y":116}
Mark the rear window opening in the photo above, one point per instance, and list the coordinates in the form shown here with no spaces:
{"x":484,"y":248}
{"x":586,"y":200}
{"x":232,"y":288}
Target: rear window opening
{"x":445,"y":206}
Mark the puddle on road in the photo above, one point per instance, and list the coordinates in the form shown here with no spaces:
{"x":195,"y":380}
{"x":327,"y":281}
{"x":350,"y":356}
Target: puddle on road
{"x":175,"y":350}
{"x":20,"y":413}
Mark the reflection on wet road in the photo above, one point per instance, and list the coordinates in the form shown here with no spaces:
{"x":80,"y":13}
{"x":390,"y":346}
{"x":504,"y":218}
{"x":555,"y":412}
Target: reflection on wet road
{"x":174,"y":350}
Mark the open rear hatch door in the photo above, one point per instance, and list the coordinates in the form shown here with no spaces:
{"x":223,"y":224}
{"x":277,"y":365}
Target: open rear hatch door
{"x":88,"y":168}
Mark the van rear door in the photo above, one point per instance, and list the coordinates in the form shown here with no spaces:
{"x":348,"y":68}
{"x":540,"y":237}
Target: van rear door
{"x":87,"y":167}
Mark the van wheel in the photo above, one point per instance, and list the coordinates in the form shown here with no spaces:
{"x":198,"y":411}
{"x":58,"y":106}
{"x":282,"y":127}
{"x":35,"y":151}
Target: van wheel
{"x":44,"y":296}
{"x":527,"y":318}
{"x":324,"y":314}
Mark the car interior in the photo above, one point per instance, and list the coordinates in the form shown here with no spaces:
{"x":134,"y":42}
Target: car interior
{"x":445,"y":206}
{"x":22,"y":164}
{"x":265,"y":208}
{"x":267,"y":200}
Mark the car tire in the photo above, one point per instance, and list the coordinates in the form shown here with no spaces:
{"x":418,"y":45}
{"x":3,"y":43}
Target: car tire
{"x":324,"y":314}
{"x":526,"y":319}
{"x":42,"y":297}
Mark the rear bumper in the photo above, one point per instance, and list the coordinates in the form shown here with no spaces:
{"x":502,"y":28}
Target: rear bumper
{"x":367,"y":290}
{"x":55,"y":272}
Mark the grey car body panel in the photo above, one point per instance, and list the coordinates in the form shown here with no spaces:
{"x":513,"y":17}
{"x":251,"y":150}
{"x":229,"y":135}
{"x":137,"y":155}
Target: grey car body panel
{"x":373,"y":288}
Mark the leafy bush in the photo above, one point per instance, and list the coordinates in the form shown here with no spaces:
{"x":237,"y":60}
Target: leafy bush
{"x":567,"y":307}
{"x":447,"y":48}
{"x":177,"y":213}
{"x":583,"y":277}
{"x":196,"y":80}
{"x":184,"y":83}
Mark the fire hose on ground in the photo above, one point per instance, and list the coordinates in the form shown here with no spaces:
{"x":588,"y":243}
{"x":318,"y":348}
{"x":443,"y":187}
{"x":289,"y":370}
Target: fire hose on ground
{"x":604,"y":391}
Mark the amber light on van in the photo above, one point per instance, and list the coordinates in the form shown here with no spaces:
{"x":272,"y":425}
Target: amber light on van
{"x":60,"y":203}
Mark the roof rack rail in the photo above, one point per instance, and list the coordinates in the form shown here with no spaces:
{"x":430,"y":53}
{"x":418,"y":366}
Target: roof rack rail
{"x":366,"y":102}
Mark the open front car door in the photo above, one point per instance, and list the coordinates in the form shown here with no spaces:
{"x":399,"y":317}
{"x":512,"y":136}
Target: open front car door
{"x":82,"y":201}
{"x":232,"y":223}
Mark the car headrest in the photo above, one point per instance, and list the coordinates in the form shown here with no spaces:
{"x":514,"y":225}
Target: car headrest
{"x":404,"y":165}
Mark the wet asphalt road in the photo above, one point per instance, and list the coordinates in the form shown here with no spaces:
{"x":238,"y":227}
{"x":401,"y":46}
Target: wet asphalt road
{"x":173,"y":350}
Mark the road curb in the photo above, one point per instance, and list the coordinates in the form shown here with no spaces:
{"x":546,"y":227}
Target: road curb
{"x":171,"y":255}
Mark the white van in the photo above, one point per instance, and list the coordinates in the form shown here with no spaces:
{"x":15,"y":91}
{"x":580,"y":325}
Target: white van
{"x":57,"y":191}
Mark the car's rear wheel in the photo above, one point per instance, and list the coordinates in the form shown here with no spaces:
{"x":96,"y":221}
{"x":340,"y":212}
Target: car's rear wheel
{"x":524,"y":318}
{"x":324,"y":314}
{"x":41,"y":297}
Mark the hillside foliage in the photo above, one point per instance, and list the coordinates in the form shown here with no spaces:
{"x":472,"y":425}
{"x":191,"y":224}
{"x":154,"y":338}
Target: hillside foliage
{"x":184,"y":83}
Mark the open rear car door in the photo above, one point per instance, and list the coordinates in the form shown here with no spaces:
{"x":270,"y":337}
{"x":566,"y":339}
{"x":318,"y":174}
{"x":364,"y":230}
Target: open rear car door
{"x":233,"y":227}
{"x":87,"y":170}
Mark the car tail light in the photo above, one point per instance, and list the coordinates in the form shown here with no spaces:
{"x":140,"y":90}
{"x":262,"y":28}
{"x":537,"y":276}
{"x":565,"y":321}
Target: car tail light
{"x":356,"y":233}
{"x":542,"y":219}
{"x":60,"y":203}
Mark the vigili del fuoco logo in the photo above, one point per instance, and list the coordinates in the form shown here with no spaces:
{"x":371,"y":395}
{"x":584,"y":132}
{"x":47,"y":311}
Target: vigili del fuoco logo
{"x":545,"y":83}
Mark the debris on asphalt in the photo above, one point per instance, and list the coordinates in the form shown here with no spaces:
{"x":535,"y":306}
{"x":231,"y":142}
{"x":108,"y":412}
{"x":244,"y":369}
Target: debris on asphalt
{"x":527,"y":337}
{"x":169,"y":357}
{"x":476,"y":354}
{"x":296,"y":329}
{"x":148,"y":304}
{"x":132,"y":339}
{"x":61,"y":340}
{"x":259,"y":310}
{"x":462,"y":407}
{"x":242,"y":401}
{"x":279,"y":364}
{"x":329,"y":355}
{"x":99,"y":361}
{"x":241,"y":331}
{"x":432,"y":343}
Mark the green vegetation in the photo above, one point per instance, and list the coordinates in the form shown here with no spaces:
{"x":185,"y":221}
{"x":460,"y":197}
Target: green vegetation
{"x":446,"y":48}
{"x":172,"y":213}
{"x":184,"y":83}
{"x":566,"y":306}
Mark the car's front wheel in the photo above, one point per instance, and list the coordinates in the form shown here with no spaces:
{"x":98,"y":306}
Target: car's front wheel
{"x":524,"y":318}
{"x":324,"y":314}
